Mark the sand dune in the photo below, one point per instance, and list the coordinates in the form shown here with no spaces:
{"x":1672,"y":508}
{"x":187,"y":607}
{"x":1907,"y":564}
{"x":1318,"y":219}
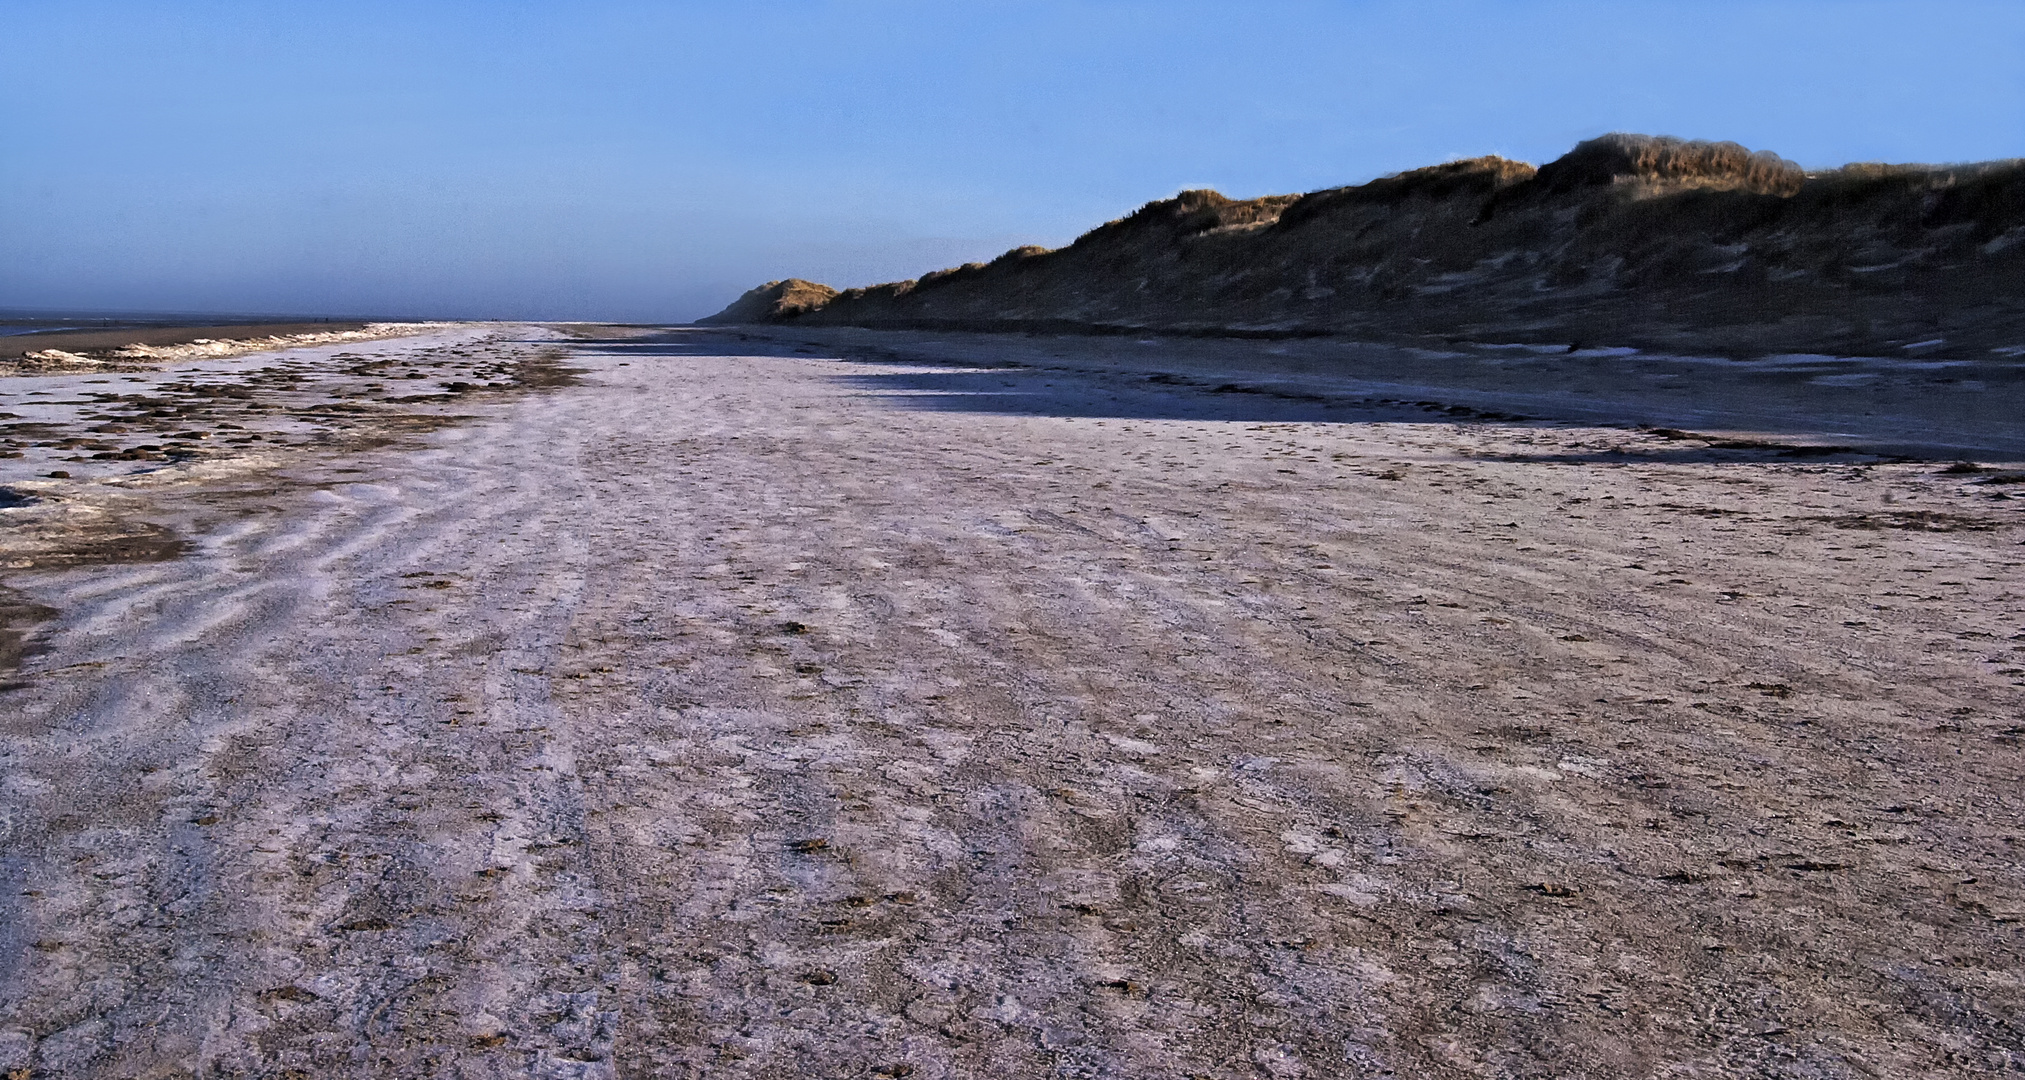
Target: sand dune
{"x":752,"y":707}
{"x":1625,"y":241}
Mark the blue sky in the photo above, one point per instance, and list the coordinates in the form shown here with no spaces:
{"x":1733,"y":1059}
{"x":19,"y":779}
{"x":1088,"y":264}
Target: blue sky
{"x":648,"y":161}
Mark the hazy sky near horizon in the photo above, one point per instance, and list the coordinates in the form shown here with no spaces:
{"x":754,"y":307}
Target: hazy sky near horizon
{"x":618,"y":159}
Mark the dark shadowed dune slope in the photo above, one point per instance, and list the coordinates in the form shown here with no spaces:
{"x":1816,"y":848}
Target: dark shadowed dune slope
{"x":1627,"y":240}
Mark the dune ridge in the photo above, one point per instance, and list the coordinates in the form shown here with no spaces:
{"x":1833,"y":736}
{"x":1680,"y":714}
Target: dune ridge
{"x":1627,"y":240}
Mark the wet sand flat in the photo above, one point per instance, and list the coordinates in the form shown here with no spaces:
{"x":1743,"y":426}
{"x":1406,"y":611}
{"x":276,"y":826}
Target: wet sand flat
{"x":752,"y":707}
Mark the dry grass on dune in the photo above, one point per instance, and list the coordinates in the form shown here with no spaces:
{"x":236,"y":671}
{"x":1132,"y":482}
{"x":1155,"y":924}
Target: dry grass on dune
{"x":774,"y":301}
{"x":1627,"y":239}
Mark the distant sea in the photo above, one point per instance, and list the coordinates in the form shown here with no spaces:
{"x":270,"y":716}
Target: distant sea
{"x":9,"y":327}
{"x":38,"y":322}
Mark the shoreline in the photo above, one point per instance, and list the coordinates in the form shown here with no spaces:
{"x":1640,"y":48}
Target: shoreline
{"x":15,"y":346}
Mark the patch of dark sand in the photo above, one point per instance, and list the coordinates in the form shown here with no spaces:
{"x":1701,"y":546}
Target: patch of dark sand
{"x":546,"y":371}
{"x":1911,"y":521}
{"x":19,"y":616}
{"x":112,"y":542}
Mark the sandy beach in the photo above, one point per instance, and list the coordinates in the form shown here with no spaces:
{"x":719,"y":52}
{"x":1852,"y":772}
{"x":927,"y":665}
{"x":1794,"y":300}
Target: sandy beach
{"x":596,"y":702}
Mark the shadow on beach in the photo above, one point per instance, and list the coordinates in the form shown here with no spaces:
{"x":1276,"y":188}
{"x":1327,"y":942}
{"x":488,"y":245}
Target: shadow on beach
{"x":1698,"y":408}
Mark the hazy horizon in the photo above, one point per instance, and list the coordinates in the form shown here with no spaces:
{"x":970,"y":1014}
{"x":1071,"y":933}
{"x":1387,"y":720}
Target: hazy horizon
{"x":649,"y":162}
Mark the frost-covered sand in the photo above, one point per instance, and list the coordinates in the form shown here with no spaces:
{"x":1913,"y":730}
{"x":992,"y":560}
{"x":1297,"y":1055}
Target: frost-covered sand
{"x":738,"y":710}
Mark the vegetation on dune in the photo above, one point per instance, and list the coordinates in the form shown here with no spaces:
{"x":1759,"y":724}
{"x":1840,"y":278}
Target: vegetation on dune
{"x":774,"y":301}
{"x":1627,"y":239}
